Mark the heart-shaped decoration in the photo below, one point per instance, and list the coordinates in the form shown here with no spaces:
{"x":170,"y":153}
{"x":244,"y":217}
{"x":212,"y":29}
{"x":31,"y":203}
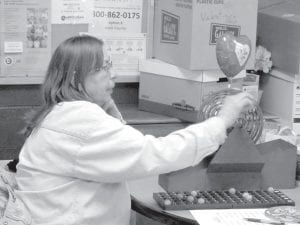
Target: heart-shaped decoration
{"x":232,"y":53}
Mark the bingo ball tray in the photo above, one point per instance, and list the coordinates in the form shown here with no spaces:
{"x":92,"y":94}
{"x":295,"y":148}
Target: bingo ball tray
{"x":188,"y":200}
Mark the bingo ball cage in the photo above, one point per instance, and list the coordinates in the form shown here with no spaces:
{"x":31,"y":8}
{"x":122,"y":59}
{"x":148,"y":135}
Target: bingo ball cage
{"x":251,"y":119}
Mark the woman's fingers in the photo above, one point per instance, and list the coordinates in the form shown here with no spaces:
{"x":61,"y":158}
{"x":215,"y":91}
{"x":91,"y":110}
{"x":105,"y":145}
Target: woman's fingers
{"x":233,"y":106}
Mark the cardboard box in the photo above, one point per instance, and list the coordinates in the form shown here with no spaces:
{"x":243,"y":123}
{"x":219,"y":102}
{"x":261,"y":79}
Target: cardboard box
{"x":251,"y":85}
{"x":185,"y":32}
{"x":173,"y":91}
{"x":278,"y":30}
{"x":267,"y":3}
{"x":281,"y":96}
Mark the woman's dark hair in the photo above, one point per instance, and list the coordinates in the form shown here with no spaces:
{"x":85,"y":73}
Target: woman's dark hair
{"x":73,"y":60}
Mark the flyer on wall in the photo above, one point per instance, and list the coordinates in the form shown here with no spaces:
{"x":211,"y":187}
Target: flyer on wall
{"x":125,"y":51}
{"x":71,"y":11}
{"x":122,"y":16}
{"x":25,"y":38}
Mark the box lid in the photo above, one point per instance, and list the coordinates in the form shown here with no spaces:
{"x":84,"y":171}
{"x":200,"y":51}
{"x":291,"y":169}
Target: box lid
{"x":278,"y":31}
{"x":155,"y":66}
{"x":267,"y":3}
{"x":289,"y":77}
{"x":287,"y":10}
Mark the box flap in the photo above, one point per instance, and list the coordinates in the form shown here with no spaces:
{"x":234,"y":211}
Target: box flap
{"x":159,"y":67}
{"x":283,"y":75}
{"x":288,"y":10}
{"x":237,"y":154}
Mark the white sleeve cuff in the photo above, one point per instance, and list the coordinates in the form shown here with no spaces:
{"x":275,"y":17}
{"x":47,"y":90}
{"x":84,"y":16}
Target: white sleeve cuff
{"x":214,"y":127}
{"x":210,"y":134}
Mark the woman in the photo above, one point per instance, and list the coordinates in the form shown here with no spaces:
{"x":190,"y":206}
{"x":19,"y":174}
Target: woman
{"x":78,"y":155}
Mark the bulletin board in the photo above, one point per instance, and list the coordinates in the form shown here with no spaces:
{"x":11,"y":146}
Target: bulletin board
{"x":26,"y":49}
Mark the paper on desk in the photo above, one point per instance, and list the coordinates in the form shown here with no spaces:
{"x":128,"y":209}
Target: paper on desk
{"x":228,"y":216}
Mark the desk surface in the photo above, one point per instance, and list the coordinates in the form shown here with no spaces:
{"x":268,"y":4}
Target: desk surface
{"x":142,"y":190}
{"x":133,"y":115}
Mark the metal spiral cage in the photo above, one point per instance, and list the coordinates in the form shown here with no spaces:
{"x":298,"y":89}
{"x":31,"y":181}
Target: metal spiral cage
{"x":251,"y":120}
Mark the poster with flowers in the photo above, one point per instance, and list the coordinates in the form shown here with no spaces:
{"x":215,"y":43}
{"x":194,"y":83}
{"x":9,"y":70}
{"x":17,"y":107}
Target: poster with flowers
{"x":25,"y":37}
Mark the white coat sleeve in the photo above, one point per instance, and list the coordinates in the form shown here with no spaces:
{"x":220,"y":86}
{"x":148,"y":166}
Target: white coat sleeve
{"x":115,"y":152}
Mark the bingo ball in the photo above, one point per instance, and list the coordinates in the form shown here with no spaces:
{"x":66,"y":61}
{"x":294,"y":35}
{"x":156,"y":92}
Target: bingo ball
{"x":201,"y":200}
{"x":167,"y":202}
{"x":232,"y":191}
{"x":190,"y":198}
{"x":232,"y":53}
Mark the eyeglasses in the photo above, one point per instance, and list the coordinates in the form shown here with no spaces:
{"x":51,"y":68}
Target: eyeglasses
{"x":107,"y":65}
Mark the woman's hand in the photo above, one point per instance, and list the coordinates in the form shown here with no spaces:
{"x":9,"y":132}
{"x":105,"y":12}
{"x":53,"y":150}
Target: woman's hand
{"x":233,"y":106}
{"x":110,"y":108}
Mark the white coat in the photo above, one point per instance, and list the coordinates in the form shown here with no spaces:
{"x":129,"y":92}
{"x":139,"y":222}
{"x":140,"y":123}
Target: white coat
{"x":73,"y":168}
